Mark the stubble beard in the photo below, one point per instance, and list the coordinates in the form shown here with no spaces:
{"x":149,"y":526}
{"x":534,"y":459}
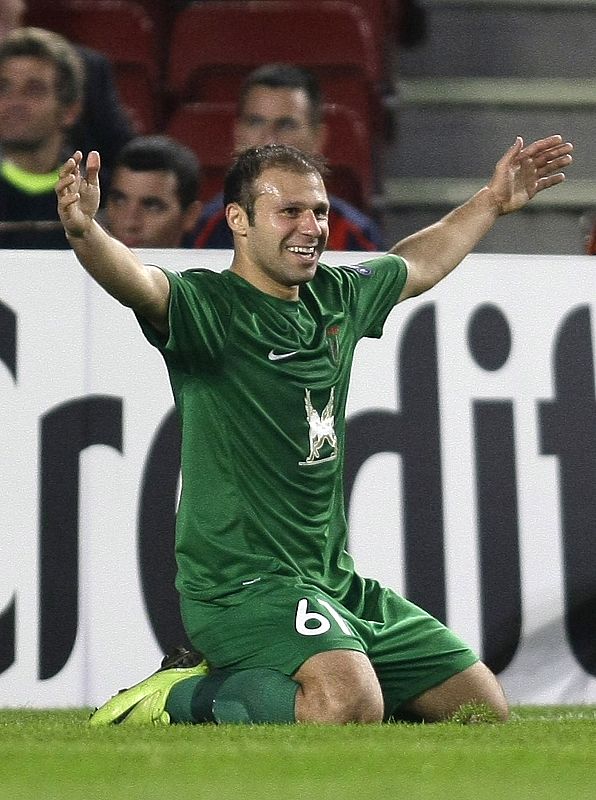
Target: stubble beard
{"x":20,"y":146}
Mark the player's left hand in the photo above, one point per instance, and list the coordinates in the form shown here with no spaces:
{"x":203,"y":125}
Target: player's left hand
{"x":524,"y":171}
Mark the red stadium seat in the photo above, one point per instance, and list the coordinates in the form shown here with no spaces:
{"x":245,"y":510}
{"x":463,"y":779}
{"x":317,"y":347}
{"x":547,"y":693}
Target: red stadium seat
{"x":215,"y":44}
{"x":121,"y":30}
{"x":162,"y":13}
{"x":207,"y":129}
{"x":141,"y":100}
{"x":349,"y":151}
{"x":381,"y":16}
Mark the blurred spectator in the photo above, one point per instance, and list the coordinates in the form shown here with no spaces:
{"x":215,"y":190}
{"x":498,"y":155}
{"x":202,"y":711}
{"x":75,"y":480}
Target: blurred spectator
{"x":41,"y":86}
{"x":152,"y":199}
{"x":591,"y":248}
{"x":103,"y":125}
{"x":282,"y":104}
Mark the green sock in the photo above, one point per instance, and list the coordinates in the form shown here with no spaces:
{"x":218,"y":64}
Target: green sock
{"x":242,"y":696}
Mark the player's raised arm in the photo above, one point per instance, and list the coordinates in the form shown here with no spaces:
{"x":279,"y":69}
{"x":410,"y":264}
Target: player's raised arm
{"x":519,"y":175}
{"x":143,"y":288}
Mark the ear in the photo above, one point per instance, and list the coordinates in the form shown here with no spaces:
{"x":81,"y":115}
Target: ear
{"x":191,"y":215}
{"x":236,"y":137}
{"x":70,"y":114}
{"x":320,"y":138}
{"x":237,"y":219}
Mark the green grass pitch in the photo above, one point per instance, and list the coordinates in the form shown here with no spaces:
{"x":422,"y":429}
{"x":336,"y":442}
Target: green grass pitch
{"x":543,"y":753}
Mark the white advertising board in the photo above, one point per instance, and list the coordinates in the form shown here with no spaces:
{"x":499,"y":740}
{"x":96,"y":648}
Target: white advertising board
{"x":471,"y":473}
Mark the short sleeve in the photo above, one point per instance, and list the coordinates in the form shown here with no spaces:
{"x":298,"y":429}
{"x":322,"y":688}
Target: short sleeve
{"x":377,"y":285}
{"x":199,"y":313}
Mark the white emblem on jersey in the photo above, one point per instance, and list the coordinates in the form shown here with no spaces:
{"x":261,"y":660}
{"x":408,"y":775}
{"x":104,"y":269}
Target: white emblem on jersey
{"x":321,"y":429}
{"x":273,"y":356}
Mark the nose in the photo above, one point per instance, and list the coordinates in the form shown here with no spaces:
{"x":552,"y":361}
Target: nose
{"x":130,"y":215}
{"x":268,"y":135}
{"x":310,"y":224}
{"x":128,"y":220}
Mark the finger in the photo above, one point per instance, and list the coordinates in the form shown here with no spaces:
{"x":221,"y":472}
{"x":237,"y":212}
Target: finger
{"x":516,"y":148}
{"x":67,"y":168}
{"x":510,"y":156}
{"x":554,"y":165}
{"x":540,"y":145}
{"x":550,"y":180}
{"x":93,"y":165}
{"x":554,"y":154}
{"x":65,"y":184}
{"x":70,"y":167}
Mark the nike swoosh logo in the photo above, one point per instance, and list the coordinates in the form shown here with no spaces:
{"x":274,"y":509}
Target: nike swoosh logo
{"x":273,"y":356}
{"x":248,"y":583}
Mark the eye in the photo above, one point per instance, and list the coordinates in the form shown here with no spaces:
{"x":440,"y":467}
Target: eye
{"x":116,"y":198}
{"x":252,"y":121}
{"x":285,"y":125}
{"x":154,"y":205}
{"x":291,"y":211}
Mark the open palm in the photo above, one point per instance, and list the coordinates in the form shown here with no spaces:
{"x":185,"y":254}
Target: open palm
{"x":78,"y":194}
{"x":524,"y":171}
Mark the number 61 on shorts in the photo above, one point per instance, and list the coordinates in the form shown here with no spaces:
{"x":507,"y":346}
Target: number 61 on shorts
{"x":313,"y":623}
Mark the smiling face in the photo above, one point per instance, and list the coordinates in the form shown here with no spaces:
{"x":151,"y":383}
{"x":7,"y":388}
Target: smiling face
{"x":143,"y":209}
{"x":31,"y":114}
{"x":280,"y":250}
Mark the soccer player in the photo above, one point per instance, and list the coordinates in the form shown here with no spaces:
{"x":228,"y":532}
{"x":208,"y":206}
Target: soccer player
{"x":259,"y":359}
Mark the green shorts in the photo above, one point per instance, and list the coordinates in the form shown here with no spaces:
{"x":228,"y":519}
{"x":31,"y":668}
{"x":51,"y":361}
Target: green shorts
{"x":279,"y":623}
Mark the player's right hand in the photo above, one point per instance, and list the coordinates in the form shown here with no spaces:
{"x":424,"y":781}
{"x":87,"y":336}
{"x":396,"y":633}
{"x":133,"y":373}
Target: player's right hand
{"x":78,"y":194}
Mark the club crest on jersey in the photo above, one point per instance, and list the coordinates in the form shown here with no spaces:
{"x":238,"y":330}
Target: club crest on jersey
{"x":333,"y":342}
{"x":321,"y":431}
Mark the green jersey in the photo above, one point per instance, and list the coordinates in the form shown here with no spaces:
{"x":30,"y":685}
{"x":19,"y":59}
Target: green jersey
{"x":260,"y":385}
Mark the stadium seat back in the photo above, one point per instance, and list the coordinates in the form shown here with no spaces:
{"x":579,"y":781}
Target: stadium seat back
{"x":207,"y":128}
{"x":211,"y":40}
{"x":125,"y":33}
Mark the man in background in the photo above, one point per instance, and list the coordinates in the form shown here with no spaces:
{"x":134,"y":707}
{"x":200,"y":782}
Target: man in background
{"x":282,"y":104}
{"x":104,"y":124}
{"x":152,"y":199}
{"x":41,"y":86}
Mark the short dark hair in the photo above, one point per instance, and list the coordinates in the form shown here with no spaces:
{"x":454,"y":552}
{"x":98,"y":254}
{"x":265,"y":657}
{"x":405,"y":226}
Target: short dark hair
{"x":150,"y":153}
{"x":285,"y":76}
{"x":239,"y":183}
{"x":53,"y":48}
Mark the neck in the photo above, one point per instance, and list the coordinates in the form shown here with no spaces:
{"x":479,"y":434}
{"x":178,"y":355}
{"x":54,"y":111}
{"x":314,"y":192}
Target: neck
{"x":262,"y":281}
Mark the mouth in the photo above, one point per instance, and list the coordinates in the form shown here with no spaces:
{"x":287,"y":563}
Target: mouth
{"x":307,"y":252}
